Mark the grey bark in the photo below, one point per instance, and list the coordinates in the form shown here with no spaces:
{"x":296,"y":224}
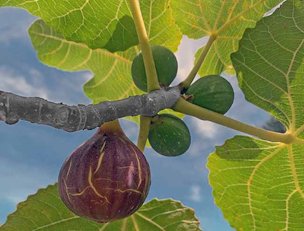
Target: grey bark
{"x":74,"y":118}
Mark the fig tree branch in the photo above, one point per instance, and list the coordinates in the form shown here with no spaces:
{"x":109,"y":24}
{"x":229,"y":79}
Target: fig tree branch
{"x":80,"y":117}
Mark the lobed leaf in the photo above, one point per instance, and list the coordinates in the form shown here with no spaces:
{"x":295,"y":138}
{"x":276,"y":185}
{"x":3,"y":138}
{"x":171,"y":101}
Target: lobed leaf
{"x":45,"y":211}
{"x":104,"y":24}
{"x":112,"y":71}
{"x":259,"y":185}
{"x":270,"y":67}
{"x":227,"y":19}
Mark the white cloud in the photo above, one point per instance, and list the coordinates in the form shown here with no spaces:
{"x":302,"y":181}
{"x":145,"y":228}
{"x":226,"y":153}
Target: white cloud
{"x":205,"y":128}
{"x":32,"y":83}
{"x":186,"y":56}
{"x":68,"y":87}
{"x":87,"y":76}
{"x":19,"y":84}
{"x":274,"y":9}
{"x":195,"y":193}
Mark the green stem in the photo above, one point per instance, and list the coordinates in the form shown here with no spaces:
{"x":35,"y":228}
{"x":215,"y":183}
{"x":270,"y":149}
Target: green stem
{"x":143,"y":132}
{"x":152,"y":80}
{"x":187,"y":82}
{"x":188,"y":108}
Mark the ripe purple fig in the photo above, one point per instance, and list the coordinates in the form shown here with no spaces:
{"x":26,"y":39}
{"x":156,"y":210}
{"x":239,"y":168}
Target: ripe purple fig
{"x":106,"y":178}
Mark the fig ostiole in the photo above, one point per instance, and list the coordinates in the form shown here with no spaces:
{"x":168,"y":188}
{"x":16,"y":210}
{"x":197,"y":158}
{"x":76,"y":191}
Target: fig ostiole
{"x":106,"y":178}
{"x":165,"y":65}
{"x":169,"y":135}
{"x":212,"y":92}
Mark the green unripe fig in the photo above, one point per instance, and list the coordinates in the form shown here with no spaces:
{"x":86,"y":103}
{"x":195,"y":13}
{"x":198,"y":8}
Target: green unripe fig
{"x":169,"y":135}
{"x":165,"y":64}
{"x":212,"y":92}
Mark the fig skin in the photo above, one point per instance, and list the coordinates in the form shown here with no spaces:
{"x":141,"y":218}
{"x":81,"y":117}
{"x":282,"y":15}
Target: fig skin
{"x":212,"y":92}
{"x":165,"y":64}
{"x":106,"y":178}
{"x":169,"y":135}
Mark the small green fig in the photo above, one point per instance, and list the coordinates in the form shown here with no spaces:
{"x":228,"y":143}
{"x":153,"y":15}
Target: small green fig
{"x":169,"y":135}
{"x":106,"y":178}
{"x":212,"y":92}
{"x":165,"y":64}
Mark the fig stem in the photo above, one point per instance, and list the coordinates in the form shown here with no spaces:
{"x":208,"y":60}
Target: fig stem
{"x":187,"y":82}
{"x":111,"y":127}
{"x":152,"y":79}
{"x":143,"y":132}
{"x":204,"y":114}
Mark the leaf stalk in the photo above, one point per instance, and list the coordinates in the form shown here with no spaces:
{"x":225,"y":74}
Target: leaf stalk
{"x":187,"y":82}
{"x":152,"y":80}
{"x":204,"y":114}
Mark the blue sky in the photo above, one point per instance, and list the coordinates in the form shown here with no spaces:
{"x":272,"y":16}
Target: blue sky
{"x":31,"y":155}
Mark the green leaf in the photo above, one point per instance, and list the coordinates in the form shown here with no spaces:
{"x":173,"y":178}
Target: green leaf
{"x":160,"y":23}
{"x":227,"y":19}
{"x":259,"y":185}
{"x":269,"y":64}
{"x":104,"y":24}
{"x":45,"y":211}
{"x":112,"y":71}
{"x":99,"y":24}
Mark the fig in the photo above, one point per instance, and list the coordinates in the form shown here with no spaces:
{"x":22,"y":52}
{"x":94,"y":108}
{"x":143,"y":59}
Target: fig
{"x":212,"y":92}
{"x":169,"y":135}
{"x":165,"y":64}
{"x":106,"y":178}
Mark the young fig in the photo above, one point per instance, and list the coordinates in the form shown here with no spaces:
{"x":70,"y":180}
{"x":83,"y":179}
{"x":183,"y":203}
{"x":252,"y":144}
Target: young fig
{"x":212,"y":92}
{"x":106,"y":178}
{"x":169,"y":135}
{"x":165,"y":64}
